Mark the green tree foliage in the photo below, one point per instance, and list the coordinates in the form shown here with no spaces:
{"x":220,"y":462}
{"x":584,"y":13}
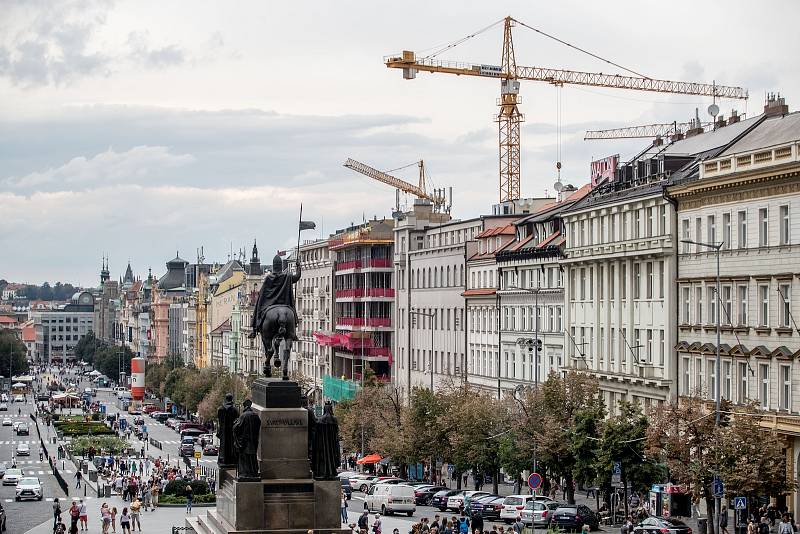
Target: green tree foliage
{"x":13,"y":355}
{"x":57,"y":291}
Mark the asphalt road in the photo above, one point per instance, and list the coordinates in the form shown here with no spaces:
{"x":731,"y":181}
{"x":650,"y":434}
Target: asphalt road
{"x":22,"y":516}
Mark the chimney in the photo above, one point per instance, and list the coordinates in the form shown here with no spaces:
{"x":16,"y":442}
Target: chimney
{"x":719,"y":122}
{"x":676,"y":137}
{"x":696,"y":125}
{"x":775,"y":105}
{"x":658,"y":141}
{"x":734,"y":118}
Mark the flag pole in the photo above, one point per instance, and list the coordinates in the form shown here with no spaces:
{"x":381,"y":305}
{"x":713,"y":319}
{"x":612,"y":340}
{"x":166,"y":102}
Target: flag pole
{"x":299,"y":223}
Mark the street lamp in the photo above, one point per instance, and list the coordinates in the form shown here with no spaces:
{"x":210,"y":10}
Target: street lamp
{"x":716,"y":247}
{"x":430,"y":316}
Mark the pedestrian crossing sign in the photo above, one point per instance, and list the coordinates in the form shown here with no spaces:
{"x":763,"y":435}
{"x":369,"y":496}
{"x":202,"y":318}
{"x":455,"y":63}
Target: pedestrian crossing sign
{"x":740,"y":503}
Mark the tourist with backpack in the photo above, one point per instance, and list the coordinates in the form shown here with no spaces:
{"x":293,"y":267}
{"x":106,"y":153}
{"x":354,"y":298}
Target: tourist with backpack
{"x":463,"y":525}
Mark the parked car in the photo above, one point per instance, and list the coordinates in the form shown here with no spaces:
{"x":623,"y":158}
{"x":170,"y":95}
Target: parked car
{"x":424,"y":494}
{"x":390,"y":498}
{"x":439,"y":499}
{"x":23,"y":449}
{"x":658,"y":525}
{"x":348,"y":474}
{"x":490,"y":510}
{"x":12,"y":476}
{"x":474,"y":507}
{"x":571,"y":517}
{"x":455,"y":502}
{"x":22,"y":429}
{"x":361,"y":482}
{"x":513,"y":506}
{"x":7,"y":422}
{"x":3,"y":407}
{"x":19,"y":398}
{"x":347,"y":488}
{"x":538,"y":512}
{"x":210,"y":450}
{"x":29,"y":488}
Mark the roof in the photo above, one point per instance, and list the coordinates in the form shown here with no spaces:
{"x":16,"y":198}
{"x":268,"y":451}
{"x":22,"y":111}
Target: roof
{"x":498,"y":230}
{"x":479,"y":292}
{"x":709,"y":140}
{"x":776,"y":130}
{"x":549,"y":210}
{"x":224,"y":327}
{"x":5,"y":319}
{"x":28,"y":334}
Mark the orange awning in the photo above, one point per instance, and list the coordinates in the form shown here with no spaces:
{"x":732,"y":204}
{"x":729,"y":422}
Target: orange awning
{"x":369,"y":459}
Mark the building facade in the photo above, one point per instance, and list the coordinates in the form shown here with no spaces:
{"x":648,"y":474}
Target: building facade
{"x":747,"y":199}
{"x":57,"y":331}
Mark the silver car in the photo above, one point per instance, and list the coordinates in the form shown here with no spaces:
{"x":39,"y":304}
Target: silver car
{"x":12,"y":476}
{"x":29,"y":488}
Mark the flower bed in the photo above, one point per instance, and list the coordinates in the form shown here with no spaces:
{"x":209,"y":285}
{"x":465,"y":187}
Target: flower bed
{"x":82,"y":428}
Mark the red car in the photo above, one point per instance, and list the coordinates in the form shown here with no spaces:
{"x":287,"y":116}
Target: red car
{"x":150,"y":408}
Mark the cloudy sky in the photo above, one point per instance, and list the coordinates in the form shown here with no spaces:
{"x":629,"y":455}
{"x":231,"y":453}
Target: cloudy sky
{"x":140,"y":128}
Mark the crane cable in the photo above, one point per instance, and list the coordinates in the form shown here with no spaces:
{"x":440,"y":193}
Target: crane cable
{"x":558,"y":130}
{"x":579,"y":49}
{"x":457,"y":42}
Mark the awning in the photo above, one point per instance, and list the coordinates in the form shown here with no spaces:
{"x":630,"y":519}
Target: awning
{"x":18,"y":385}
{"x":95,"y":373}
{"x":369,"y":459}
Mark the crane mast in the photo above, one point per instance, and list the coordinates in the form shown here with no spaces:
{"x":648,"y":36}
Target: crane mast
{"x":438,"y":197}
{"x":509,"y":117}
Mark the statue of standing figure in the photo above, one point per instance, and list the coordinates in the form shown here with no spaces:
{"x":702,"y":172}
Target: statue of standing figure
{"x":227,"y":415}
{"x":246,"y":434}
{"x":325,"y":453}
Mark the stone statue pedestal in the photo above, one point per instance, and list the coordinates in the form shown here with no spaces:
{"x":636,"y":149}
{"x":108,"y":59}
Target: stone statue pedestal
{"x":287,"y":500}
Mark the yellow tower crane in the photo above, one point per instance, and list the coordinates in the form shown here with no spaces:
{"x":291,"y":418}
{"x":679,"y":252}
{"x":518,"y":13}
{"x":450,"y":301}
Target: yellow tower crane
{"x":437,"y":198}
{"x":509,"y":117}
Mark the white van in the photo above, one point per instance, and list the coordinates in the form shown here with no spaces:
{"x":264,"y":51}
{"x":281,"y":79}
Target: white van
{"x":391,"y":498}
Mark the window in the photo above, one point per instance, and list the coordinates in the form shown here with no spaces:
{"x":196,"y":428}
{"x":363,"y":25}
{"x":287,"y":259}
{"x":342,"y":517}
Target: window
{"x":698,"y":375}
{"x":685,"y":235}
{"x":786,"y":387}
{"x":726,"y":380}
{"x":763,"y":227}
{"x":712,"y":306}
{"x":726,"y":230}
{"x":600,"y":286}
{"x":742,"y":394}
{"x":686,"y":375}
{"x":663,"y":210}
{"x":763,"y":377}
{"x":742,"y":305}
{"x":612,"y":227}
{"x":763,"y":305}
{"x":727,"y":316}
{"x":698,"y":305}
{"x":651,"y":221}
{"x":785,"y":305}
{"x":637,"y":279}
{"x":623,"y":287}
{"x":583,"y":283}
{"x":742,"y":229}
{"x":636,"y":222}
{"x":711,"y":223}
{"x":611,"y":282}
{"x":785,"y":228}
{"x":698,"y":232}
{"x":661,"y":279}
{"x":712,"y":378}
{"x":685,"y":305}
{"x":650,"y":276}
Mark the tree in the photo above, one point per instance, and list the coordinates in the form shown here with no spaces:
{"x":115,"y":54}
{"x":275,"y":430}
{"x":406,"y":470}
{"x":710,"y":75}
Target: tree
{"x":623,"y":441}
{"x":13,"y":355}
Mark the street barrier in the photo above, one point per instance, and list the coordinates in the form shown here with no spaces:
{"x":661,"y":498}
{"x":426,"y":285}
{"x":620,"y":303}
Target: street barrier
{"x":155,"y":443}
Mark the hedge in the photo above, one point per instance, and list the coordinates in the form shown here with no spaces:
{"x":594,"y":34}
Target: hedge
{"x":179,"y":499}
{"x":176,"y":487}
{"x":102,"y":444}
{"x":82,"y":428}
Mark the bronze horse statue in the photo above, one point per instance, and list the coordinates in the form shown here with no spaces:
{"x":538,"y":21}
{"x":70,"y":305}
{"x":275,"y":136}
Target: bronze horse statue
{"x":274,"y":316}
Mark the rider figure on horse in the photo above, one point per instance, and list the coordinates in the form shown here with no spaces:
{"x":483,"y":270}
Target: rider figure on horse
{"x":275,"y":317}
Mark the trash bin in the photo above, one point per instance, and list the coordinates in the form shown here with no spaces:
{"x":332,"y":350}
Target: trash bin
{"x":107,"y":494}
{"x":93,"y":476}
{"x":702,"y":525}
{"x":85,"y":466}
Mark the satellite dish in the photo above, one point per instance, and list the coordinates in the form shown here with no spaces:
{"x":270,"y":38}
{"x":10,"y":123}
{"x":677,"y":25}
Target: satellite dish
{"x":713,"y":110}
{"x":558,"y":186}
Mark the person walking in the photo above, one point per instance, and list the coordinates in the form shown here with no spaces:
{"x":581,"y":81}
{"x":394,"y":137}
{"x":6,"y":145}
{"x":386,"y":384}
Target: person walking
{"x":785,"y":526}
{"x":56,"y":513}
{"x":376,"y":526}
{"x":189,"y":497}
{"x":154,"y":491}
{"x":113,"y":519}
{"x":723,"y":519}
{"x":83,"y":515}
{"x":79,"y":477}
{"x":74,"y":516}
{"x":344,"y":508}
{"x":105,"y":517}
{"x":125,"y":521}
{"x":136,"y":507}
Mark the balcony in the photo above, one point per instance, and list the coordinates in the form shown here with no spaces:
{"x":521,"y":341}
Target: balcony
{"x":372,"y":292}
{"x":372,"y":263}
{"x":357,"y":322}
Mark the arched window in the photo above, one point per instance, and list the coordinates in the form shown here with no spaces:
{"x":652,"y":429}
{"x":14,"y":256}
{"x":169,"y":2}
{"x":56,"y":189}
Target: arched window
{"x":435,"y":277}
{"x":448,"y":276}
{"x":461,"y":274}
{"x":430,"y":278}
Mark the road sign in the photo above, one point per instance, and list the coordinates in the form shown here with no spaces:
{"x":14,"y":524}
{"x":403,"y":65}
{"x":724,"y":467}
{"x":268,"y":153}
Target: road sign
{"x":740,"y":503}
{"x":535,"y":481}
{"x":616,"y":473}
{"x":197,"y":470}
{"x":197,"y":454}
{"x":718,"y":487}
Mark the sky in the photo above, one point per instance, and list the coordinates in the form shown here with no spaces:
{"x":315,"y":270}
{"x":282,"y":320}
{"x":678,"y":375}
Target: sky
{"x":137,"y":129}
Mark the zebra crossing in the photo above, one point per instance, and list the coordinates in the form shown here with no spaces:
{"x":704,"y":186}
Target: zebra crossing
{"x":50,"y":499}
{"x":26,"y":441}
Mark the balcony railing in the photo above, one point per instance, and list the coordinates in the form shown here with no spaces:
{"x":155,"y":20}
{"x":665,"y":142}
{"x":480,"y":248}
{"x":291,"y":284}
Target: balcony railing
{"x":358,"y":292}
{"x":359,"y":321}
{"x":379,"y":263}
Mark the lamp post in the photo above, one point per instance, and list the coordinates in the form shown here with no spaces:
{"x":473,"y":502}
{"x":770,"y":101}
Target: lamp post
{"x":716,"y":247}
{"x":430,"y":316}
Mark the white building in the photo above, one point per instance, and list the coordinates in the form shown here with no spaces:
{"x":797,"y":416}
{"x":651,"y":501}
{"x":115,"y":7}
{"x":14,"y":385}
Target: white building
{"x":748,"y":199}
{"x":59,"y":330}
{"x":621,"y":262}
{"x":531,"y":297}
{"x":314,"y":303}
